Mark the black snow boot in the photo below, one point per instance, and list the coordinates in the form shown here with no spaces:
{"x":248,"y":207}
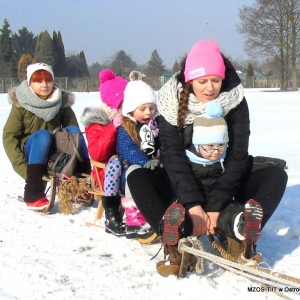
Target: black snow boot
{"x":113,"y":219}
{"x":34,"y":187}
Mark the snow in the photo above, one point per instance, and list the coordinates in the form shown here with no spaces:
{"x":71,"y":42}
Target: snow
{"x":57,"y":257}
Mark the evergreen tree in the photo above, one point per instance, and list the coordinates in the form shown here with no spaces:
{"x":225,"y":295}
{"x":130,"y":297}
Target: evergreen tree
{"x":155,"y":66}
{"x":44,"y":49}
{"x":176,"y":67}
{"x":77,"y":66}
{"x":6,"y":51}
{"x":60,"y":63}
{"x":84,"y":72}
{"x":250,"y":78}
{"x":24,"y":42}
{"x":122,"y":64}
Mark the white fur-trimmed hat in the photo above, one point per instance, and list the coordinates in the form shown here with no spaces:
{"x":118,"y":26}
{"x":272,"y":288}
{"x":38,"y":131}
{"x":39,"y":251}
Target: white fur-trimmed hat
{"x":38,"y":66}
{"x":137,"y":93}
{"x":210,"y":128}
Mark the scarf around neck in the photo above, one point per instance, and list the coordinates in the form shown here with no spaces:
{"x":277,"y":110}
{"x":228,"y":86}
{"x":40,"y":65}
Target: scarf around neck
{"x":45,"y":109}
{"x":168,"y":101}
{"x":203,"y":161}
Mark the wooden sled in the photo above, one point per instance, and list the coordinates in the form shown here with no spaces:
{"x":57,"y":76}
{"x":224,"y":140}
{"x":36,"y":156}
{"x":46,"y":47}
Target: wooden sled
{"x":98,"y":191}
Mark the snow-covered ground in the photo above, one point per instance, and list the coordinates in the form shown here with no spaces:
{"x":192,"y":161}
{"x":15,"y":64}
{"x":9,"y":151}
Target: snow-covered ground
{"x":56,"y":257}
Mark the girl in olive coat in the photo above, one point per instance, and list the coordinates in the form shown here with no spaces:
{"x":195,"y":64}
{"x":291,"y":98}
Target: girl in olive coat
{"x":38,"y":107}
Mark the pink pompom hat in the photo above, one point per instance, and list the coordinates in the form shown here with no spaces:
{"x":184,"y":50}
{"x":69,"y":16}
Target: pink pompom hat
{"x":203,"y":60}
{"x":111,"y":88}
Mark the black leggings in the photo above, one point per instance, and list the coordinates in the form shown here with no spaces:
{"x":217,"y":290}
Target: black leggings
{"x":152,"y":193}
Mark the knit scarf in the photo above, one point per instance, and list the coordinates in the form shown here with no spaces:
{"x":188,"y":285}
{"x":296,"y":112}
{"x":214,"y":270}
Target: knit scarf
{"x":45,"y":109}
{"x":168,"y":101}
{"x":203,"y":161}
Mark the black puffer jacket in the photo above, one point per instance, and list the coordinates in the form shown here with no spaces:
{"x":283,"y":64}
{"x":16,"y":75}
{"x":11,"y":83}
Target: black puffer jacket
{"x":224,"y":188}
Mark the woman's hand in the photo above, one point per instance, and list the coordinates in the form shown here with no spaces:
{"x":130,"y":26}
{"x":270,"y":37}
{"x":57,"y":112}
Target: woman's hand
{"x":200,"y":220}
{"x":212,"y":224}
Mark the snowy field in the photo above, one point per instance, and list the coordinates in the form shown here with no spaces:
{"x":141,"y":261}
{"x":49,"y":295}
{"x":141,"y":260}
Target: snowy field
{"x":57,"y":257}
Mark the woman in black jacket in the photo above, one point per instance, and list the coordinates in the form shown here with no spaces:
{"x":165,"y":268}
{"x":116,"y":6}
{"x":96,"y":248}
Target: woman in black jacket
{"x":206,"y":75}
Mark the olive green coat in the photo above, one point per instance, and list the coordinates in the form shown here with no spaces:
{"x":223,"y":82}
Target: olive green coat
{"x":22,"y":123}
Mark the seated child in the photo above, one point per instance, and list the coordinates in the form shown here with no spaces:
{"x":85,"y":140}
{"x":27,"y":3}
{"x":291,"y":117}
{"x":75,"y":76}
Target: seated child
{"x":137,"y":146}
{"x":101,"y":129}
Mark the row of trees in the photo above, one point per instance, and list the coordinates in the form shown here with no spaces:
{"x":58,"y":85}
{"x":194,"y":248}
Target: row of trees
{"x":18,"y":50}
{"x":272,"y":30}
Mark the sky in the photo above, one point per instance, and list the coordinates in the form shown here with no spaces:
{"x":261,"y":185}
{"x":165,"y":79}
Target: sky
{"x":101,"y":28}
{"x":56,"y":257}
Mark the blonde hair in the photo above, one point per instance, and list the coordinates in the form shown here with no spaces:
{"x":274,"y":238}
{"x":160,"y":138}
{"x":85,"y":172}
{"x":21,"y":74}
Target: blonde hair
{"x":130,"y":127}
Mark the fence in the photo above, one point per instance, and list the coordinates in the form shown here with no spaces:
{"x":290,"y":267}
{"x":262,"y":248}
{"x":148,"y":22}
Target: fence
{"x":66,"y":83}
{"x":91,"y":84}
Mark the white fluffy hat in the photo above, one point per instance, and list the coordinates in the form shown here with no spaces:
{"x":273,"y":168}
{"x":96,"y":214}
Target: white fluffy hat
{"x":38,"y":66}
{"x":137,"y":93}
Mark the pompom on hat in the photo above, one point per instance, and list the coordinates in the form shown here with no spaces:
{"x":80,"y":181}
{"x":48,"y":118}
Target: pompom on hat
{"x":210,"y":128}
{"x":203,"y":60}
{"x":38,"y":66}
{"x":111,"y":88}
{"x":137,"y":93}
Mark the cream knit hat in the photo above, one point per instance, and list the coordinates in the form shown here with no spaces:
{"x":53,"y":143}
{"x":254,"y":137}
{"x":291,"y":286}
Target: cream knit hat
{"x":137,"y":93}
{"x":38,"y":66}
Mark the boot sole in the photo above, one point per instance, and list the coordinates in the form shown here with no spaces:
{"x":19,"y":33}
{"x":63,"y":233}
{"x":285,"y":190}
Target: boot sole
{"x":173,"y":219}
{"x":253,"y":215}
{"x":115,"y":233}
{"x":150,"y":240}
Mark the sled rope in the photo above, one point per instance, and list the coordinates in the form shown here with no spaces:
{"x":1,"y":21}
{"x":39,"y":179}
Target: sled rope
{"x":250,"y":269}
{"x":68,"y":193}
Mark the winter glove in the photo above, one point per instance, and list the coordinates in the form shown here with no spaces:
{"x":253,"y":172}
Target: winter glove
{"x":117,"y":120}
{"x":153,"y":163}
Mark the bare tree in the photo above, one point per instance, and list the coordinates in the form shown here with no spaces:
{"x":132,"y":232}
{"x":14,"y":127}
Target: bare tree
{"x":272,"y":28}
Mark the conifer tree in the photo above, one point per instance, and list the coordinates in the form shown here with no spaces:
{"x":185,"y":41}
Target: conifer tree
{"x":24,"y":42}
{"x":84,"y":72}
{"x":176,"y":67}
{"x":155,"y":65}
{"x":44,"y":49}
{"x":6,"y":51}
{"x":60,"y":63}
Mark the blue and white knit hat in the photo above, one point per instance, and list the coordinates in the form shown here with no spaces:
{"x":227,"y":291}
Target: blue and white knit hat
{"x":210,"y":128}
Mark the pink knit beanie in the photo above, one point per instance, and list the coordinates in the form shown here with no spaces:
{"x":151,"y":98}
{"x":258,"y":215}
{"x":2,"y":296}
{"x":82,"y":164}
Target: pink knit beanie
{"x":111,"y":88}
{"x":203,"y":60}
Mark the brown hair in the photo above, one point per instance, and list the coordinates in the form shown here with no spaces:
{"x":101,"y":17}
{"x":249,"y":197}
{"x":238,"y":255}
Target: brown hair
{"x":41,"y":75}
{"x":130,"y":127}
{"x":184,"y":96}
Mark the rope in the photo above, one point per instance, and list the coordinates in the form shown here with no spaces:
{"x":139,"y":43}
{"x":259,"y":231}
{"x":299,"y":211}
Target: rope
{"x":249,"y":269}
{"x":68,"y":192}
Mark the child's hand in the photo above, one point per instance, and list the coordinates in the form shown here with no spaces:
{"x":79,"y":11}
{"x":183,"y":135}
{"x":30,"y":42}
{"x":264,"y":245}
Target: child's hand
{"x":153,"y":163}
{"x":117,"y":120}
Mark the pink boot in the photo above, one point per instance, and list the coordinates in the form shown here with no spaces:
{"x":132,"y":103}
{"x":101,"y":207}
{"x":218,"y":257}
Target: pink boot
{"x":136,"y":224}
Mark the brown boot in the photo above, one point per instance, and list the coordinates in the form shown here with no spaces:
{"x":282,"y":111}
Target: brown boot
{"x":237,"y":248}
{"x":173,"y":263}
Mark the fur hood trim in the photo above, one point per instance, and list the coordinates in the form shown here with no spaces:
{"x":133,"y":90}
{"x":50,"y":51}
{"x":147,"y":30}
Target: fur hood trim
{"x":93,"y":115}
